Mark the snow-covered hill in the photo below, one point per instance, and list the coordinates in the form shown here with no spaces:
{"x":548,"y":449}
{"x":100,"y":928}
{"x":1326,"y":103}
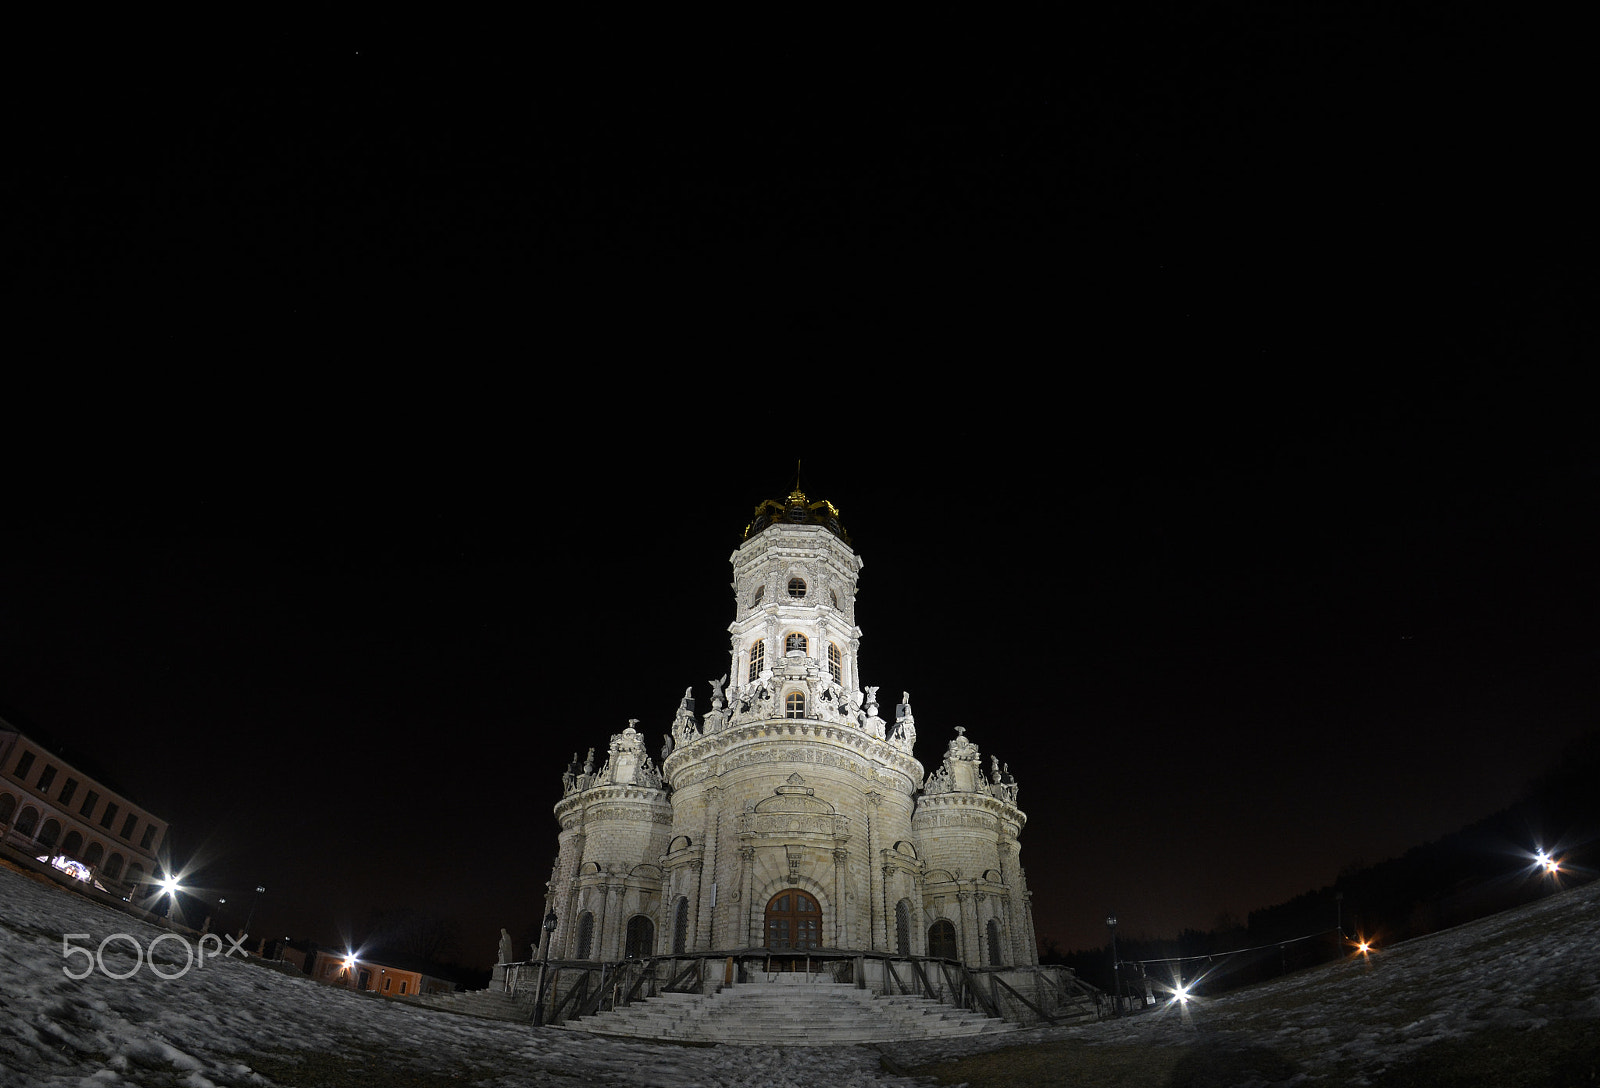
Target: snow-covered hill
{"x":232,"y":1022}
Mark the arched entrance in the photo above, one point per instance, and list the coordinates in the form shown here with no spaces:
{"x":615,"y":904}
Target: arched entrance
{"x":794,"y":922}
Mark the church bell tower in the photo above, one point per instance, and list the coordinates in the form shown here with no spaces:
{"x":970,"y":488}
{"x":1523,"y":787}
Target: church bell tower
{"x":793,"y":640}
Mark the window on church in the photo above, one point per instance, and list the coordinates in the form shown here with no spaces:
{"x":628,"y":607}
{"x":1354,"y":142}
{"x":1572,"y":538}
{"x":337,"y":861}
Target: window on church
{"x":794,"y":921}
{"x":585,"y":935}
{"x":641,"y":937}
{"x":902,"y":927}
{"x":835,"y":664}
{"x":834,"y":597}
{"x":680,"y":925}
{"x":755,"y":598}
{"x":796,"y":641}
{"x":758,"y":658}
{"x":794,"y":705}
{"x":797,"y":587}
{"x":942,"y":940}
{"x":994,"y":942}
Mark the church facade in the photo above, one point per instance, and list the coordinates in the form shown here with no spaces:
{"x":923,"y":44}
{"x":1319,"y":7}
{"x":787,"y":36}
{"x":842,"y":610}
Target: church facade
{"x":787,"y":813}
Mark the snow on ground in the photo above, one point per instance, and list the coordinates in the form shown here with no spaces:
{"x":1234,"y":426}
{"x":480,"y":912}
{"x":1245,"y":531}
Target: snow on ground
{"x":226,"y":1022}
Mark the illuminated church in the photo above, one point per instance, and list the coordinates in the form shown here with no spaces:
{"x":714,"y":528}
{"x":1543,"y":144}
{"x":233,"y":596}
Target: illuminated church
{"x":787,"y":813}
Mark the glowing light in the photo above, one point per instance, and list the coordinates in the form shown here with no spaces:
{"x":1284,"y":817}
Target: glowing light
{"x":1363,"y":947}
{"x":1183,"y":995}
{"x":170,"y":885}
{"x":1546,"y":862}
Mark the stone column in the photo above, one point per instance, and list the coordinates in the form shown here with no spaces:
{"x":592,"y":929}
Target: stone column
{"x":969,"y":925}
{"x":841,"y":911}
{"x":746,"y":909}
{"x":604,"y":938}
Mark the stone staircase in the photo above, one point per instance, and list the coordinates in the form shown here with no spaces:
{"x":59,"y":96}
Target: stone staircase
{"x":488,"y":1004}
{"x":777,"y":1014}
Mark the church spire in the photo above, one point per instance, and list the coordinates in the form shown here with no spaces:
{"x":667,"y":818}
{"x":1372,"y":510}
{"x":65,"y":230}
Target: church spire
{"x":796,"y":509}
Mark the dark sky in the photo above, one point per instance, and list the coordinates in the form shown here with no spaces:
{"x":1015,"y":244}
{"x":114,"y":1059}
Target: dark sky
{"x":1206,"y":399}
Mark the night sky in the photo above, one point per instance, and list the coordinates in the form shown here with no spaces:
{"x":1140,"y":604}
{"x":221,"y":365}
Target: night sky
{"x":1206,"y":398}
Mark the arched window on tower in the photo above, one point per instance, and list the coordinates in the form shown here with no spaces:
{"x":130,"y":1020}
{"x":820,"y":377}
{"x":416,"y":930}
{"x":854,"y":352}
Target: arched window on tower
{"x":902,"y":927}
{"x":641,"y":937}
{"x":797,"y":588}
{"x":835,"y":664}
{"x":585,"y":935}
{"x":680,"y":925}
{"x":994,"y":942}
{"x":755,"y":598}
{"x":795,"y":641}
{"x":758,"y":658}
{"x":942,"y":940}
{"x":794,"y":705}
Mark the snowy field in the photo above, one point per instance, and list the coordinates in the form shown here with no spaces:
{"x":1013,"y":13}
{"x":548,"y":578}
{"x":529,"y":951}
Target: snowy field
{"x":1531,"y":972}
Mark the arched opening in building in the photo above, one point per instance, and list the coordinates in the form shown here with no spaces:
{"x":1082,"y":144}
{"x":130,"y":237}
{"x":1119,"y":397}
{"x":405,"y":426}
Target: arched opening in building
{"x":680,"y":925}
{"x":113,"y":867}
{"x":28,"y":821}
{"x":902,"y":927}
{"x":8,"y":805}
{"x":942,"y":940}
{"x":641,"y":937}
{"x":758,"y":658}
{"x":93,"y":855}
{"x":585,"y":935}
{"x":794,"y":705}
{"x":794,"y":921}
{"x":50,"y":832}
{"x":994,"y":942}
{"x":72,"y":845}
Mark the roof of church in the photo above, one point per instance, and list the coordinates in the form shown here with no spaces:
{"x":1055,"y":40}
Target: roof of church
{"x":795,"y":510}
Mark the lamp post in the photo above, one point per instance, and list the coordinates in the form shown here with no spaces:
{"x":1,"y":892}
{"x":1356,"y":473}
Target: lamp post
{"x":1116,"y":966}
{"x":544,"y":965}
{"x":252,"y":915}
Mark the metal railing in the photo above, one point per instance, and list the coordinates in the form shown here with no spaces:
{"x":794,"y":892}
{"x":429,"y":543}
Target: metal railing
{"x":574,"y":989}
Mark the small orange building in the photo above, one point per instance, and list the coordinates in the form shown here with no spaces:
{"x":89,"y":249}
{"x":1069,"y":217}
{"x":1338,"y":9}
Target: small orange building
{"x":387,"y":975}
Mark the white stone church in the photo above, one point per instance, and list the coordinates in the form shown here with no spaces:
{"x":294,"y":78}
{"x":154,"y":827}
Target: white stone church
{"x":787,"y":815}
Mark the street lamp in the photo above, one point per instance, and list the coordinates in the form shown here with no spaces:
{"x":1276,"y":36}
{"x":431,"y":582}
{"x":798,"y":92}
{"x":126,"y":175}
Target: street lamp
{"x":1116,"y":966}
{"x":252,"y":916}
{"x":544,"y":965}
